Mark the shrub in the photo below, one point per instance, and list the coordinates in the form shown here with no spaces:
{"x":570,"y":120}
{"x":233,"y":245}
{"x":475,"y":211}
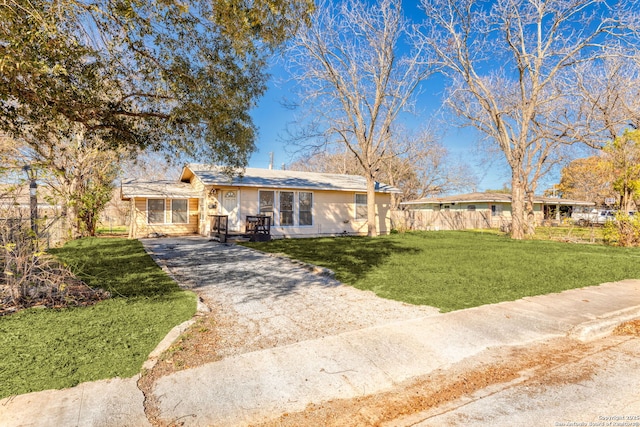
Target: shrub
{"x":31,"y":277}
{"x":623,"y":231}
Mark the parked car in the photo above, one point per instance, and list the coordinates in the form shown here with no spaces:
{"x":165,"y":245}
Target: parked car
{"x":588,"y":216}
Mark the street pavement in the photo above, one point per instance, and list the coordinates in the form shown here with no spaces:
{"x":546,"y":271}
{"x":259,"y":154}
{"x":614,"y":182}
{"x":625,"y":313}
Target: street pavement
{"x":598,"y":390}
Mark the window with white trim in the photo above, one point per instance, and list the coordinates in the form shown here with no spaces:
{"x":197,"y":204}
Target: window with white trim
{"x":179,"y":211}
{"x":286,"y":208}
{"x":155,"y":211}
{"x":305,"y":208}
{"x":266,"y":199}
{"x":361,"y":206}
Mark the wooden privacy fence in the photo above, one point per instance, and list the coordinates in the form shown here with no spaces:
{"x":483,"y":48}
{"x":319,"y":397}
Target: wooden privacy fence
{"x":446,"y":220}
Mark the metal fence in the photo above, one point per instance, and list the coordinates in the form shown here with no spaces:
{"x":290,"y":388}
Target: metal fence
{"x":51,"y":231}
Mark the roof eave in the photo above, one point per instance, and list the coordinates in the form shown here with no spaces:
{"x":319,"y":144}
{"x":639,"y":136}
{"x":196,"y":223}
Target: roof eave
{"x":186,"y":174}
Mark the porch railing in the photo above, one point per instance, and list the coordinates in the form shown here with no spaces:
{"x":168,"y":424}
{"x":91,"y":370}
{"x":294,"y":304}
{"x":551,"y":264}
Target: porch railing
{"x":220,"y":227}
{"x":258,"y":227}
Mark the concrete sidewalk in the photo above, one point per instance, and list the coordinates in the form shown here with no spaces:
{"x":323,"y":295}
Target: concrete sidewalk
{"x":263,"y":384}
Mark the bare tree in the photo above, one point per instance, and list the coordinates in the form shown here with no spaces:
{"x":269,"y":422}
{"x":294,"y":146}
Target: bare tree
{"x":422,"y":167}
{"x":416,"y":164}
{"x":148,"y":166}
{"x":607,"y":91}
{"x":326,"y":162}
{"x":82,"y":172}
{"x":354,"y":82}
{"x":508,"y":61}
{"x":79,"y":171}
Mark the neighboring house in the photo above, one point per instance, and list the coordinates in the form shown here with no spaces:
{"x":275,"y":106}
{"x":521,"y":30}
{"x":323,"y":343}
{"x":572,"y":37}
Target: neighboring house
{"x":15,"y":202}
{"x":480,"y":210}
{"x":298,"y":203}
{"x":15,"y":208}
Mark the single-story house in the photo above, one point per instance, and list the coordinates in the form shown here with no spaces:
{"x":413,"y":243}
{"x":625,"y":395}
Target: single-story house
{"x":15,"y":202}
{"x":483,"y":210}
{"x":15,"y":210}
{"x":298,"y":203}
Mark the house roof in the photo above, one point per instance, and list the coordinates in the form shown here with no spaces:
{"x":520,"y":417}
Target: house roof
{"x":18,"y":196}
{"x":269,"y":178}
{"x":492,"y":198}
{"x":167,"y":189}
{"x":559,"y":201}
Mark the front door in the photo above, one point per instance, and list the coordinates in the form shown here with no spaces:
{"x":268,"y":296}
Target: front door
{"x":230,"y":208}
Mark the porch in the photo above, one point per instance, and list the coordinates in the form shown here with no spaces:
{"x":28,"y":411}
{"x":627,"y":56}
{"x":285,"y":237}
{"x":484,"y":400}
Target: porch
{"x":257,"y":229}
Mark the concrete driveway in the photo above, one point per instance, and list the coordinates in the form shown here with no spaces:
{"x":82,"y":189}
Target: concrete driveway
{"x":267,"y":301}
{"x":299,"y":337}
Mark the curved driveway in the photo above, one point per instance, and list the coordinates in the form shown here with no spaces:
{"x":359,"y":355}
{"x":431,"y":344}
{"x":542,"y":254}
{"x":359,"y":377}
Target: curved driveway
{"x":265,"y":301}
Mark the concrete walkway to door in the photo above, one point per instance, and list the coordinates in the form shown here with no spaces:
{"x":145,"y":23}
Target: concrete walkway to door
{"x":268,"y":301}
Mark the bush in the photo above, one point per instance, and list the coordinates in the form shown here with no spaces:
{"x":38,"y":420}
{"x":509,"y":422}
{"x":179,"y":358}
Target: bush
{"x":623,"y":231}
{"x":34,"y":278}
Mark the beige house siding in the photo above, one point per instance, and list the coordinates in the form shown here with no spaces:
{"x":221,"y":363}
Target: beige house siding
{"x":212,"y":193}
{"x":141,"y":227}
{"x":203,"y":226}
{"x":333,"y":212}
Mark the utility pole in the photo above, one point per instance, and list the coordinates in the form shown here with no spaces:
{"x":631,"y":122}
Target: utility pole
{"x":33,"y":199}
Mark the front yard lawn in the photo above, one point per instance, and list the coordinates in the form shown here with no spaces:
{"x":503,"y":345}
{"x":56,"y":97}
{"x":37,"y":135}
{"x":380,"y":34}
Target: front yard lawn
{"x":45,"y":348}
{"x":453,"y":270}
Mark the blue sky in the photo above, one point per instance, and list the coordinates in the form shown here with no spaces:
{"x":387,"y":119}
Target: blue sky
{"x":272,"y":119}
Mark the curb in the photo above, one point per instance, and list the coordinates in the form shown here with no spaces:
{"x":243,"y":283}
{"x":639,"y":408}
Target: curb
{"x":176,"y":331}
{"x":166,"y":342}
{"x":603,"y":326}
{"x":173,"y":335}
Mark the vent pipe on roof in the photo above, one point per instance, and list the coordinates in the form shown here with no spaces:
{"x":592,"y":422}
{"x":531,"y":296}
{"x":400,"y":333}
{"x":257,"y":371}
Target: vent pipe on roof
{"x":271,"y":160}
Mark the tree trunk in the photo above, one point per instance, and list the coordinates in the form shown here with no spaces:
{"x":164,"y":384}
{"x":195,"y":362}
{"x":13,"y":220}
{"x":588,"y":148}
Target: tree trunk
{"x":518,"y":218}
{"x":625,"y":198}
{"x":133,"y":216}
{"x":372,"y":230}
{"x":76,"y":232}
{"x":530,"y":214}
{"x":74,"y":208}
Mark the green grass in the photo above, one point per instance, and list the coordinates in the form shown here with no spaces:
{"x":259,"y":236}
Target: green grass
{"x":457,"y":270}
{"x":571,"y":233}
{"x":115,"y":230}
{"x":44,"y":349}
